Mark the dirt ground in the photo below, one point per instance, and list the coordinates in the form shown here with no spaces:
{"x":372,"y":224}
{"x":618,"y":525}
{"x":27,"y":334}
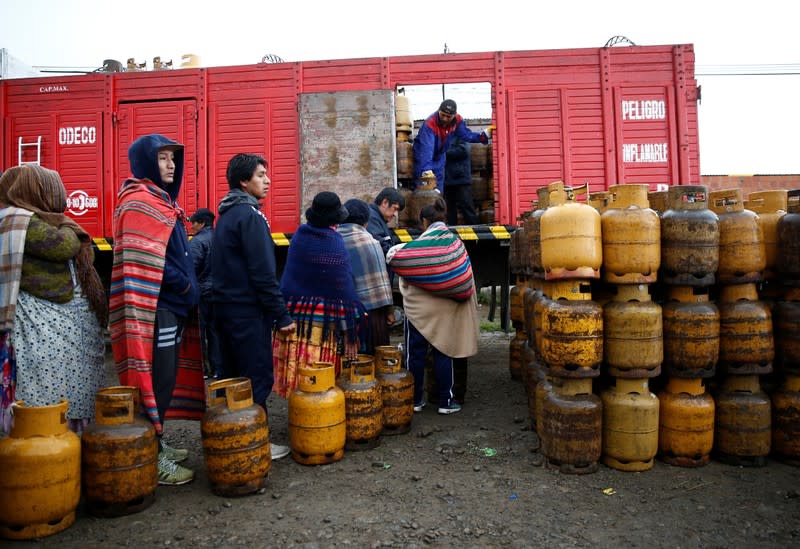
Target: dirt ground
{"x":473,"y":479}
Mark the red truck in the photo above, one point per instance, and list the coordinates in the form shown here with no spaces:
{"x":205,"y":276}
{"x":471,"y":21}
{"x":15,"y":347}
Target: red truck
{"x":596,"y":116}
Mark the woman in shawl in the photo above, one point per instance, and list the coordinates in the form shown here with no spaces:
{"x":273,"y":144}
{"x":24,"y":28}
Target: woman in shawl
{"x":317,"y":284}
{"x":441,"y":309}
{"x":52,"y":303}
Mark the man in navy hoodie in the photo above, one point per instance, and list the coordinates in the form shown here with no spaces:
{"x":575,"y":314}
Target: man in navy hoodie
{"x":246,"y":295}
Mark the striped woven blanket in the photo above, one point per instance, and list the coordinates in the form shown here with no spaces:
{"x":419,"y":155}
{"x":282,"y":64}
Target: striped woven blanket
{"x":437,"y":262}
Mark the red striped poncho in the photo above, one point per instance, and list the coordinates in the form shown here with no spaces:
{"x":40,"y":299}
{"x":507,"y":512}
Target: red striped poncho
{"x":143,"y":222}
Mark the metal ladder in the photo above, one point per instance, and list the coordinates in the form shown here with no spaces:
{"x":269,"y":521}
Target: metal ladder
{"x":37,"y":144}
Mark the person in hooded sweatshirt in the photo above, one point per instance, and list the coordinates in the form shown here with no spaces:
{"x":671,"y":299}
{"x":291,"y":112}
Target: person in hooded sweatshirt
{"x":153,"y":290}
{"x":246,"y":297}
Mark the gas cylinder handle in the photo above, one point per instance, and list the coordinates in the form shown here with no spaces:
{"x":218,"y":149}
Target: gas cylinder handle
{"x":228,"y":397}
{"x":114,"y":408}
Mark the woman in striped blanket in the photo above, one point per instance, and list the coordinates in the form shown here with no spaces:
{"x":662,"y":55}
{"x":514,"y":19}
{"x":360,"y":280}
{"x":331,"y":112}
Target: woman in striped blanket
{"x":440,"y":305}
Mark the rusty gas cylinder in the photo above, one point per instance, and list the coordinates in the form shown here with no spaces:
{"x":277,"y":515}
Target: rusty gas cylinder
{"x":405,"y":217}
{"x":631,"y":237}
{"x":630,"y":425}
{"x":397,"y":390}
{"x":689,"y":238}
{"x":543,"y":388}
{"x":486,"y":211}
{"x":786,"y":421}
{"x":786,"y":329}
{"x":686,"y":423}
{"x":363,"y":405}
{"x":40,"y":484}
{"x":516,"y":302}
{"x":541,"y":299}
{"x":633,"y":343}
{"x":317,"y":431}
{"x":746,"y":345}
{"x":405,"y":160}
{"x":571,"y":426}
{"x":770,"y":206}
{"x":235,"y":434}
{"x":535,"y":372}
{"x":533,"y":232}
{"x":119,"y":455}
{"x":402,"y":112}
{"x":788,"y":237}
{"x":657,"y":201}
{"x":478,"y":156}
{"x":742,"y":430}
{"x":690,"y":333}
{"x":482,"y":188}
{"x":516,"y":249}
{"x":742,"y":254}
{"x":515,"y":354}
{"x":572,"y":245}
{"x":529,"y":299}
{"x":572,"y":330}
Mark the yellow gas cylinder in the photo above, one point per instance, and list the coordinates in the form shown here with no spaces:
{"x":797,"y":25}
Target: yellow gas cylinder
{"x":786,"y":421}
{"x":691,"y":332}
{"x":119,"y":455}
{"x":405,"y":160}
{"x":533,"y":231}
{"x":540,"y":302}
{"x":317,"y":430}
{"x":402,"y":112}
{"x":786,"y":328}
{"x":572,"y":244}
{"x":633,"y":343}
{"x":363,"y":405}
{"x":534,"y":373}
{"x":572,"y":330}
{"x":657,"y":201}
{"x":746,"y":345}
{"x":689,"y":237}
{"x":478,"y":156}
{"x":405,"y":217}
{"x":630,"y":425}
{"x":742,"y":430}
{"x":397,"y":390}
{"x":599,"y":200}
{"x":788,"y":236}
{"x":742,"y":254}
{"x":770,"y":207}
{"x":686,"y":423}
{"x":40,"y":484}
{"x":515,"y":354}
{"x":572,"y":418}
{"x":631,"y":237}
{"x":515,"y":245}
{"x":543,"y":388}
{"x":235,"y":434}
{"x":516,"y":302}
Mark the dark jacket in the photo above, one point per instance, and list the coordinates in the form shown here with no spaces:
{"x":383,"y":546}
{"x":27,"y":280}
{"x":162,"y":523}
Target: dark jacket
{"x":179,"y":289}
{"x":458,"y":168}
{"x":243,"y":264}
{"x":378,"y":228}
{"x":200,"y":244}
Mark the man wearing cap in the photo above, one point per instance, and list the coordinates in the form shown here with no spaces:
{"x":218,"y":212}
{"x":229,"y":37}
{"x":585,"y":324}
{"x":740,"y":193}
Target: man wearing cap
{"x":433,"y":138}
{"x":153,"y":293}
{"x":203,"y":230}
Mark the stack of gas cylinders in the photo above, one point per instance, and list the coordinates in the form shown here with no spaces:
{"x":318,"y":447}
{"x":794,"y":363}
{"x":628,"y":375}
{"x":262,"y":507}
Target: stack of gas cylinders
{"x":699,"y":296}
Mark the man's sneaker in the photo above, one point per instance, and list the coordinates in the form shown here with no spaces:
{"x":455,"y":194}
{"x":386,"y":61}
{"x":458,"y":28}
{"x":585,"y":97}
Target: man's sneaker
{"x":172,"y":474}
{"x":420,"y":406}
{"x":452,"y":408}
{"x":174,"y":454}
{"x":278,"y":451}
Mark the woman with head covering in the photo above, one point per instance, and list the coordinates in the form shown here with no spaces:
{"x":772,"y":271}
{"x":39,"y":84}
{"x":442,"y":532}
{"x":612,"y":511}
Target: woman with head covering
{"x":317,"y":284}
{"x":52,"y":303}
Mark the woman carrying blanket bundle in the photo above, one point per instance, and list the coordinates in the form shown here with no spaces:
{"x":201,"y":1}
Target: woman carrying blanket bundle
{"x":440,"y":304}
{"x":318,"y":287}
{"x":52,"y":303}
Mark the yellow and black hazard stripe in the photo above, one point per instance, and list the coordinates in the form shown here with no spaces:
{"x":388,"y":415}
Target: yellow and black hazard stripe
{"x":464,"y":232}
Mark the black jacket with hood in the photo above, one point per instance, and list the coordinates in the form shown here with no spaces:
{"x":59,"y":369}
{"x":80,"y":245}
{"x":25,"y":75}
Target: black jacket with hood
{"x":179,"y":288}
{"x":243,"y":267}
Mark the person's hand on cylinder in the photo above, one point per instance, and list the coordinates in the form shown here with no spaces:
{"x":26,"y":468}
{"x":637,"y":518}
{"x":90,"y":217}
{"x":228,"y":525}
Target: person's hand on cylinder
{"x":488,"y":132}
{"x":428,"y":179}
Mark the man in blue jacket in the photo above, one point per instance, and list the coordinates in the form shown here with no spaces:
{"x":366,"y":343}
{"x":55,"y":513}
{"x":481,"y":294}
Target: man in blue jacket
{"x":247,"y":298}
{"x":203,"y":230}
{"x":434,"y":136}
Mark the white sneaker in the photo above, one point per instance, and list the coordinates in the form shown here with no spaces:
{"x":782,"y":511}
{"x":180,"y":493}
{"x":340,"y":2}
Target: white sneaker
{"x":279,"y":451}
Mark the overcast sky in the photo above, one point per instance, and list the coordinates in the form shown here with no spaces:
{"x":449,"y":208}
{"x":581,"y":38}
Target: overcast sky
{"x":748,"y":124}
